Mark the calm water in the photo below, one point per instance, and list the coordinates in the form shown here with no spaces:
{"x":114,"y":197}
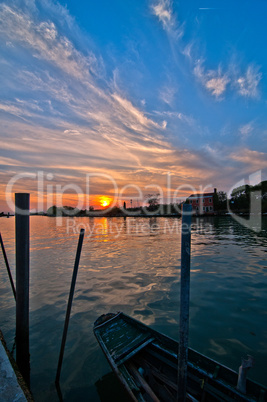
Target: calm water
{"x":133,"y":266}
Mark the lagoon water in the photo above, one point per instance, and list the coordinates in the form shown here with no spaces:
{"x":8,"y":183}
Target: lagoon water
{"x":132,"y":265}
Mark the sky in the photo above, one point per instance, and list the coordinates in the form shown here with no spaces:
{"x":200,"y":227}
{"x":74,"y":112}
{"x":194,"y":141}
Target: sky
{"x":126,"y":98}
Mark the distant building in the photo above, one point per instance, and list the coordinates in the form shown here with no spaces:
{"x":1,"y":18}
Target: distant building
{"x":202,"y":203}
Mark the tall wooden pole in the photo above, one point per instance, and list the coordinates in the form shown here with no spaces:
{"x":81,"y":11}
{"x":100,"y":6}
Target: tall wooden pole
{"x":184,"y":302}
{"x":22,"y":203}
{"x":67,"y":318}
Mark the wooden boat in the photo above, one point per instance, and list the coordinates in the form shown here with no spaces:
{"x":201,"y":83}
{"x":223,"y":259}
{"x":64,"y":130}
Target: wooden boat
{"x":145,"y":362}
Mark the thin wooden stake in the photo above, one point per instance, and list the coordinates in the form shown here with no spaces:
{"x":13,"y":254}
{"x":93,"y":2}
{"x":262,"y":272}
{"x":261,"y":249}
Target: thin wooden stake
{"x":184,"y":302}
{"x":8,"y":267}
{"x":74,"y":276}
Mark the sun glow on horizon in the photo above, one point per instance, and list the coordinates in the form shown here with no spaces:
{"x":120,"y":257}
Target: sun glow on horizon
{"x":104,"y":201}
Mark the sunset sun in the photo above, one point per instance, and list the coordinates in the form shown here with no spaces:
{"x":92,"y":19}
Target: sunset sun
{"x":104,"y":201}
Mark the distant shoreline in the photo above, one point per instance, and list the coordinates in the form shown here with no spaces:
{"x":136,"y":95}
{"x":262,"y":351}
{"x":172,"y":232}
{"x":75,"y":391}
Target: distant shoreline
{"x":107,"y":215}
{"x":99,"y":215}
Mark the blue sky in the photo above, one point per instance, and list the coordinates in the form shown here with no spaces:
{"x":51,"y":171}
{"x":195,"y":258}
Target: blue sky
{"x":134,"y":90}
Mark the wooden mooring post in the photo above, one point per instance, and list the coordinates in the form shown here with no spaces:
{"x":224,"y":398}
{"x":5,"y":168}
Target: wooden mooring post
{"x":71,"y":294}
{"x":184,"y":302}
{"x":22,"y":203}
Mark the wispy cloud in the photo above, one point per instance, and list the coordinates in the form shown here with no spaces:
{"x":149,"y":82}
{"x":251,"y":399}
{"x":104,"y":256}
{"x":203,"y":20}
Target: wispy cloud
{"x":189,"y":120}
{"x":187,"y":50}
{"x":217,"y":82}
{"x":249,"y":159}
{"x":217,"y":86}
{"x":11,"y":109}
{"x":72,"y":132}
{"x":247,"y":84}
{"x":137,"y":118}
{"x":43,"y":38}
{"x":246,"y":130}
{"x":19,"y":108}
{"x":213,"y":80}
{"x":167,"y":94}
{"x":163,"y":10}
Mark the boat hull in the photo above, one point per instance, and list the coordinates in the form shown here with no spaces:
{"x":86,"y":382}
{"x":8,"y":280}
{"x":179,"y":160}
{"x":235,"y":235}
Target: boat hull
{"x":145,"y":361}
